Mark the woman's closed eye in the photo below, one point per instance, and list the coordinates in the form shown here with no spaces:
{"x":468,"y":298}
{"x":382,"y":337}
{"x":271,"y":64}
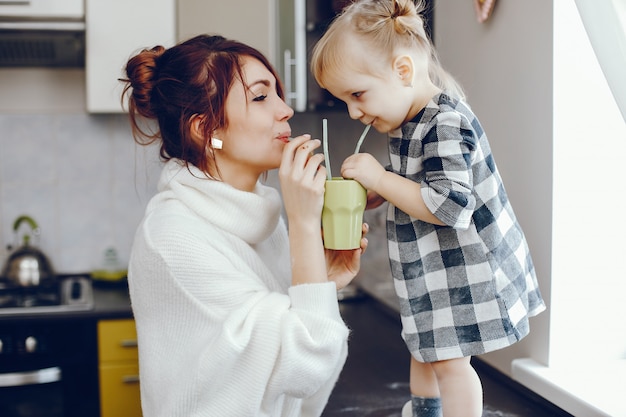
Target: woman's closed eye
{"x":260,"y":97}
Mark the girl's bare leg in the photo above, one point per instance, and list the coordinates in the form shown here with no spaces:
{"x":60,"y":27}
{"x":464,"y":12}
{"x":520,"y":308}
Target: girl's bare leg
{"x":425,"y":401}
{"x":423,"y":380}
{"x":460,"y":388}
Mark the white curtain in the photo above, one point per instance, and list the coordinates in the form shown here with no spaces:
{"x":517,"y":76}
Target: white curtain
{"x":605,"y":23}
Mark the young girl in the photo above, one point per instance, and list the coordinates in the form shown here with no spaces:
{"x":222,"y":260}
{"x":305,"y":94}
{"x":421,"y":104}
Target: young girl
{"x":461,"y":266}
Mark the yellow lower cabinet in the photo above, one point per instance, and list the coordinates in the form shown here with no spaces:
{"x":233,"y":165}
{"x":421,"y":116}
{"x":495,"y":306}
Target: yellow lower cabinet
{"x":119,"y":391}
{"x":118,"y":368}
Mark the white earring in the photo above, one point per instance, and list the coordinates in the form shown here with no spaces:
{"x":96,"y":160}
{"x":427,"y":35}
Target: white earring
{"x":216,"y":143}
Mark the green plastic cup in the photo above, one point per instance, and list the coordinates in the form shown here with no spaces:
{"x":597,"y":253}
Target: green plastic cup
{"x":342,"y":215}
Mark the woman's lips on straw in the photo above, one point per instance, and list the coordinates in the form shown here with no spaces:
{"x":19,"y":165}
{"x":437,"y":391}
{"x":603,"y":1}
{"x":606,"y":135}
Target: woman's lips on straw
{"x":284,"y":138}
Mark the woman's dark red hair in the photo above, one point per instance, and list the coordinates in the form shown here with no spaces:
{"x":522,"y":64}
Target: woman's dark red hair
{"x":173,"y":85}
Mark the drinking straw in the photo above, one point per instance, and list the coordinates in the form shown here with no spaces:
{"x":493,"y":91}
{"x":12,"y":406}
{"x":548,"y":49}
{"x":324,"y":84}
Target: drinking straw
{"x":358,"y":144}
{"x":325,"y":144}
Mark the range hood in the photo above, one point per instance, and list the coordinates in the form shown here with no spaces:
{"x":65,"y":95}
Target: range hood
{"x":42,"y":33}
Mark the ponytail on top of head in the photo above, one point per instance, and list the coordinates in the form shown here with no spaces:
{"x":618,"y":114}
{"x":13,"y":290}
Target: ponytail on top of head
{"x":387,"y":26}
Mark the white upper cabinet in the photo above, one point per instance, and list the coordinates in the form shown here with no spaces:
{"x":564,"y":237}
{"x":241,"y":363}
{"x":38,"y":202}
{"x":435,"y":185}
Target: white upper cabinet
{"x":42,"y":8}
{"x":116,"y":30}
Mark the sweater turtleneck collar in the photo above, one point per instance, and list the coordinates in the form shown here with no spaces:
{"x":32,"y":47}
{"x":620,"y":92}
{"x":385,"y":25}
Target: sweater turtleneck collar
{"x":252,"y":216}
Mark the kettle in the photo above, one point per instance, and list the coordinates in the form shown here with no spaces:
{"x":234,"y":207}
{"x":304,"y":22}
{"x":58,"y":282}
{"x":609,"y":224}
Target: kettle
{"x":27,"y":266}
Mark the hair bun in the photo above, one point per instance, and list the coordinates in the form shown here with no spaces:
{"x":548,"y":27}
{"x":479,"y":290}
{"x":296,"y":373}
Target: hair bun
{"x":405,"y":14}
{"x":142,"y":71}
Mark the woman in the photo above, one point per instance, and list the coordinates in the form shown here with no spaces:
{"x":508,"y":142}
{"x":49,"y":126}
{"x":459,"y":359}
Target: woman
{"x":235,"y":316}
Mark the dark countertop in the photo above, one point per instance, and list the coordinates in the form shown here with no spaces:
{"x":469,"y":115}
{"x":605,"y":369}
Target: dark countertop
{"x":110,"y":302}
{"x":375,"y":378}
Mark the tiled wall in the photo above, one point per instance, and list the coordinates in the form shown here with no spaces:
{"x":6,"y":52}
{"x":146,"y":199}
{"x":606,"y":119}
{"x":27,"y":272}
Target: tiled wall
{"x":86,"y":183}
{"x":81,"y":177}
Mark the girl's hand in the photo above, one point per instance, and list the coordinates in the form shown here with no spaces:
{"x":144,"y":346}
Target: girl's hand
{"x":302,"y":179}
{"x":373,"y":200}
{"x":364,"y":168}
{"x":343,"y":265}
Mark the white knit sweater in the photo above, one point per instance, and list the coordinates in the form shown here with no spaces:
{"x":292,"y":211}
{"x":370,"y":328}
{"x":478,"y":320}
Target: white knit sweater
{"x":221,"y":332}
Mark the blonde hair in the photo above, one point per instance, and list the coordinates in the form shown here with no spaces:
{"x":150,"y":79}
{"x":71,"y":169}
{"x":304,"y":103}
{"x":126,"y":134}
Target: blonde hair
{"x":386,"y":26}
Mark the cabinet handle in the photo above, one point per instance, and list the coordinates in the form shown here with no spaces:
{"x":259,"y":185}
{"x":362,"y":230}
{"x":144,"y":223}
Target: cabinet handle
{"x":301,"y":67}
{"x":297,"y":93}
{"x":41,"y":376}
{"x":130,"y":379}
{"x":288,"y":63}
{"x":14,"y":2}
{"x":37,"y":25}
{"x":128,"y":343}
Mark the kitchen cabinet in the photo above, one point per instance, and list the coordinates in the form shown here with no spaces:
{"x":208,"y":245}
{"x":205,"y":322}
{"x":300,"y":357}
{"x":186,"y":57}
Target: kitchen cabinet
{"x":115,"y":30}
{"x":250,"y":22}
{"x":291,"y":62}
{"x":283,"y":30}
{"x":118,"y":368}
{"x":302,"y":24}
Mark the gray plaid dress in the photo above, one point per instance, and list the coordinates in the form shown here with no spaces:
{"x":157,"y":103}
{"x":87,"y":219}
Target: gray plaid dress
{"x":469,"y":287}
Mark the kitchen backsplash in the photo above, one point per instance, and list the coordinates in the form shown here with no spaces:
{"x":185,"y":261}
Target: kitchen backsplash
{"x":81,"y":177}
{"x":86,"y":182}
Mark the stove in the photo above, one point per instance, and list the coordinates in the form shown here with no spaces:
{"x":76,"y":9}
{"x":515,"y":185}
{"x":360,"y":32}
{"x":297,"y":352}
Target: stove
{"x":71,"y":292}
